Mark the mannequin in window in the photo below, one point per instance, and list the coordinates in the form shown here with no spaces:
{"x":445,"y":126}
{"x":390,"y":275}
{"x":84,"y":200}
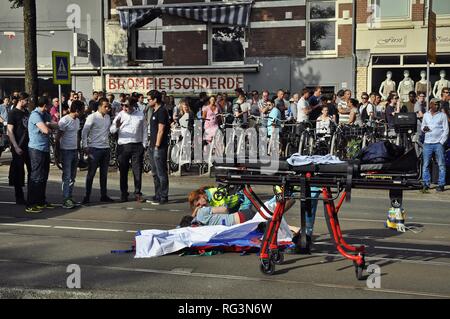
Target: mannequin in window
{"x":439,"y":85}
{"x":387,"y":86}
{"x":421,"y":86}
{"x":405,"y":86}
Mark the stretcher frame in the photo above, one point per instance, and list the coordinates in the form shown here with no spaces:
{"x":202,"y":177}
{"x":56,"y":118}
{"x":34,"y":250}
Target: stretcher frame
{"x":334,"y":186}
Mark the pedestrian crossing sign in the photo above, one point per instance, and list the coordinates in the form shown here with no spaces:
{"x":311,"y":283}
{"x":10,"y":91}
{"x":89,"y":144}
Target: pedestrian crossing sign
{"x":61,"y":68}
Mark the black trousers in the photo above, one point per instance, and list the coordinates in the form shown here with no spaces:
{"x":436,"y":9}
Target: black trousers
{"x":135,"y":153}
{"x":17,"y":171}
{"x":98,"y":158}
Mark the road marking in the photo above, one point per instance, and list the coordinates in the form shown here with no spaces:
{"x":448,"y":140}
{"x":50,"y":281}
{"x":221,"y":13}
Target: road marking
{"x":393,"y":248}
{"x":412,"y":249}
{"x":8,"y":203}
{"x":27,"y":225}
{"x":382,"y":221}
{"x":90,"y":229}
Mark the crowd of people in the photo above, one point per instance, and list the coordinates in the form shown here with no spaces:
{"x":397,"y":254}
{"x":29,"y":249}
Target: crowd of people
{"x":142,"y":124}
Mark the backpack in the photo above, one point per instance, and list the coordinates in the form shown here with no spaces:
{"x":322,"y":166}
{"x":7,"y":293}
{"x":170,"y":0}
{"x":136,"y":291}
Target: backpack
{"x":380,"y":152}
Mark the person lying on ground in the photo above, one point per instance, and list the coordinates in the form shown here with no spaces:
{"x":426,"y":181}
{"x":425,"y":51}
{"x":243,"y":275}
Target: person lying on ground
{"x":206,"y":215}
{"x":205,"y":195}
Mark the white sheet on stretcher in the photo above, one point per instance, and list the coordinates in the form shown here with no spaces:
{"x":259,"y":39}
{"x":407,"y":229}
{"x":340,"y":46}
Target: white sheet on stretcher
{"x":154,"y":243}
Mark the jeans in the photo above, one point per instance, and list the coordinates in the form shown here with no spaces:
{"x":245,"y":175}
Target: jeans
{"x":69,"y":162}
{"x":315,"y":193}
{"x":135,"y":153}
{"x":37,"y":185}
{"x":158,"y":161}
{"x":428,"y":151}
{"x":97,"y":158}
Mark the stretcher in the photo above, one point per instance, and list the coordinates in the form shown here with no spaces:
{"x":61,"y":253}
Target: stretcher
{"x":335,"y":182}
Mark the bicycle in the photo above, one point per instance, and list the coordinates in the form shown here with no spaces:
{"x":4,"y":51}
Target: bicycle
{"x":178,"y":138}
{"x":55,"y":154}
{"x":293,"y":137}
{"x":113,"y":148}
{"x":347,"y":141}
{"x":4,"y":140}
{"x":307,"y":139}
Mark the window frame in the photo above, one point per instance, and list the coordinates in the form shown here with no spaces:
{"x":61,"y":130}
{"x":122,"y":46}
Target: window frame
{"x":210,"y":45}
{"x":321,"y":53}
{"x":134,"y":41}
{"x":439,"y":16}
{"x":408,"y":17}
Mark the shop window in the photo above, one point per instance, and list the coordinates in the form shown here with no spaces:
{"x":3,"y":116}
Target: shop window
{"x":388,"y":9}
{"x":415,"y":59}
{"x":149,"y":43}
{"x":441,"y":7}
{"x":322,"y":27}
{"x":443,"y":59}
{"x":228,"y":44}
{"x":385,"y":60}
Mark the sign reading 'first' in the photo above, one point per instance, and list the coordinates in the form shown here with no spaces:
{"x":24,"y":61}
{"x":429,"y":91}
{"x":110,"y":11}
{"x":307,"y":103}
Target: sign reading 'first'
{"x":61,"y":68}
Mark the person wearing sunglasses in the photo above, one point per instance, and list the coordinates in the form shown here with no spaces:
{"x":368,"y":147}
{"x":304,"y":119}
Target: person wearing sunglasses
{"x":391,"y":109}
{"x":366,"y":110}
{"x":131,"y":127}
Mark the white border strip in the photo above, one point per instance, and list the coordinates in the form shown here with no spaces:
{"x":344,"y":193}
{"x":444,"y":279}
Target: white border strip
{"x":180,"y":28}
{"x":278,"y":24}
{"x":275,"y":4}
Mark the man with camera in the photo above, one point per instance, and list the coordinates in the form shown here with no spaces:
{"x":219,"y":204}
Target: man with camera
{"x":435,"y":128}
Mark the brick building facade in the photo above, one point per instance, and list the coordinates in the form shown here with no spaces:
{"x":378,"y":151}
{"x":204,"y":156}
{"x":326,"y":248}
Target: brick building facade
{"x":277,"y":46}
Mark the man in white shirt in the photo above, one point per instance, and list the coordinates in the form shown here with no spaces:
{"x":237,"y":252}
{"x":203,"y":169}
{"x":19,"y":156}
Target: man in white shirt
{"x":303,"y":108}
{"x":131,"y":125}
{"x":435,"y":127}
{"x":95,"y":139}
{"x":68,"y":141}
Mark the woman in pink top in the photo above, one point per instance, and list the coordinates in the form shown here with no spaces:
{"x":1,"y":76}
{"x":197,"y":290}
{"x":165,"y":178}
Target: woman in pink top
{"x":54,"y":111}
{"x":211,"y":119}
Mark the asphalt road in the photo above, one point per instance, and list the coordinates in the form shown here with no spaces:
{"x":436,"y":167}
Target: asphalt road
{"x":35,"y":251}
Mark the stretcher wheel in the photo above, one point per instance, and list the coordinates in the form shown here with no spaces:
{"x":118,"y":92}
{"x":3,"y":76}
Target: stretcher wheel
{"x":277,"y":257}
{"x":359,"y":269}
{"x":267,"y":267}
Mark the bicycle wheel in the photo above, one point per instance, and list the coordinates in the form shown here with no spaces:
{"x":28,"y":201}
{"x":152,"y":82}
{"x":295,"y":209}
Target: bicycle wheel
{"x":147,"y":163}
{"x":174,"y":156}
{"x":290,"y":149}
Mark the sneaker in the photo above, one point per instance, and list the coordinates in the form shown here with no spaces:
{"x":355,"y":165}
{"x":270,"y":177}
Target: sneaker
{"x":68,"y":204}
{"x":153,"y":200}
{"x":106,"y":199}
{"x":33,"y":210}
{"x":50,"y":206}
{"x":46,"y":206}
{"x":425,"y":190}
{"x":161,"y":202}
{"x":440,"y":189}
{"x":139,"y":199}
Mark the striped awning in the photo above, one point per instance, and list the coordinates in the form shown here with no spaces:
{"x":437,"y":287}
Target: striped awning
{"x":228,"y":13}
